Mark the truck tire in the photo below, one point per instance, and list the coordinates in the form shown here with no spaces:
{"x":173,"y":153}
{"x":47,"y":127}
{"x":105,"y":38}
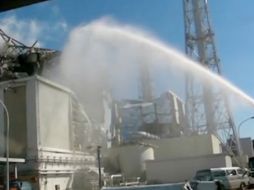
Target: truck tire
{"x":219,"y":185}
{"x":243,"y":186}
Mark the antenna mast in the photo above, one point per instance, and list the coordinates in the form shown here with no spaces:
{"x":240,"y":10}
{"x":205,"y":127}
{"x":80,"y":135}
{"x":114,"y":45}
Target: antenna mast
{"x":207,"y":107}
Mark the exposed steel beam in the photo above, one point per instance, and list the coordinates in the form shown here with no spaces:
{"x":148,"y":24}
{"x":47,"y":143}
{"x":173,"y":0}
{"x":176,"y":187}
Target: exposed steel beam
{"x":6,"y":5}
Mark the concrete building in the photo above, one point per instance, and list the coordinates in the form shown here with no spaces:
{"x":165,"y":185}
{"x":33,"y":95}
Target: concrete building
{"x":166,"y":160}
{"x":247,"y":146}
{"x":181,"y":169}
{"x":177,"y":159}
{"x":48,"y":129}
{"x":163,"y":117}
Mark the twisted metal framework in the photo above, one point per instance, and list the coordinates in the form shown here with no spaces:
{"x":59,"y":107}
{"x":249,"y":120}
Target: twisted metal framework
{"x":206,"y":106}
{"x":14,"y":54}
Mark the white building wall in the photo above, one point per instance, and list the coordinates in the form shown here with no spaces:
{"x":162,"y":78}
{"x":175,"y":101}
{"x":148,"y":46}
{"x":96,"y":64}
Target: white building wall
{"x":14,"y":98}
{"x":54,"y":117}
{"x":216,"y":145}
{"x":181,"y":169}
{"x":181,"y":147}
{"x":49,"y":154}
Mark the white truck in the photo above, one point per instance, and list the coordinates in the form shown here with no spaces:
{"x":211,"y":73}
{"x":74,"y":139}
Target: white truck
{"x":226,"y":178}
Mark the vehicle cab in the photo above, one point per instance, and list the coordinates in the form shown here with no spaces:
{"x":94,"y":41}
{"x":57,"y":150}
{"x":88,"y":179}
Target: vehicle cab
{"x":227,"y":178}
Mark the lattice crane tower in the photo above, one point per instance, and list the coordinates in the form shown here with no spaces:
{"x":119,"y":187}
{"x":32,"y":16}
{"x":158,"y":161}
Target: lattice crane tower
{"x":206,"y":106}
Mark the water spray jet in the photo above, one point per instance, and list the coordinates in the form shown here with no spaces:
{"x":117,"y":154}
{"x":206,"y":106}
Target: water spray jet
{"x":105,"y":32}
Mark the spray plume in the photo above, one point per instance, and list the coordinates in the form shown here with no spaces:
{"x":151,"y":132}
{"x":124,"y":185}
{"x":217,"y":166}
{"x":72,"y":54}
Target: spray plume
{"x":102,"y":54}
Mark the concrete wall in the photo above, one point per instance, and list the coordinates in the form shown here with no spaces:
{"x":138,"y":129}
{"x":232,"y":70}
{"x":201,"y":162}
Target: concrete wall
{"x":132,"y":160}
{"x":15,"y":101}
{"x":53,"y":117}
{"x":129,"y":160}
{"x":181,"y":147}
{"x":216,"y":145}
{"x":177,"y":170}
{"x":39,"y":110}
{"x":171,"y":156}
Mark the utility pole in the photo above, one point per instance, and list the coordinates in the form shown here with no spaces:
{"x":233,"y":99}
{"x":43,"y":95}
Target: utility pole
{"x":99,"y":166}
{"x":207,"y":107}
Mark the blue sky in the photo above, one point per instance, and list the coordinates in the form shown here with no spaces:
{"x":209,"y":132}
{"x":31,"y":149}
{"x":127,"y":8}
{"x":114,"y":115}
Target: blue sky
{"x":232,"y":21}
